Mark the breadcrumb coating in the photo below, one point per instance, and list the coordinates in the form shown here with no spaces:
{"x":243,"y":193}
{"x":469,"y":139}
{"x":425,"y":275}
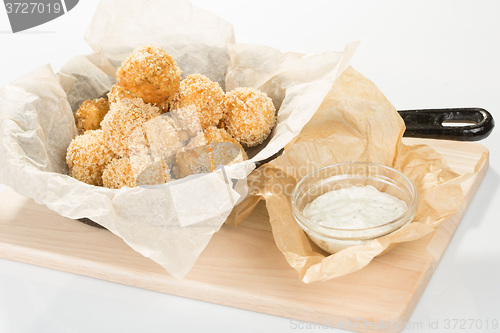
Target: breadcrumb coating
{"x":118,"y":174}
{"x":123,"y":118}
{"x":164,"y":138}
{"x":152,"y":151}
{"x":87,"y":156}
{"x":214,"y":134}
{"x":117,"y":93}
{"x":90,"y":114}
{"x":207,"y":96}
{"x":151,"y":74}
{"x":187,"y":119}
{"x":156,"y":173}
{"x":196,"y":141}
{"x":249,"y":115}
{"x":206,"y":158}
{"x":211,"y":148}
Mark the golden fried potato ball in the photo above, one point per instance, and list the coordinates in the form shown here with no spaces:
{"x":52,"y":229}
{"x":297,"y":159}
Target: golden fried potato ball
{"x":249,"y":115}
{"x":123,"y":118}
{"x":207,"y":158}
{"x":214,"y":134}
{"x":211,"y":134}
{"x":118,"y":174}
{"x":211,"y":148}
{"x":207,"y":96}
{"x":151,"y":74}
{"x":187,"y":119}
{"x":156,"y":173}
{"x":90,"y":114}
{"x":87,"y":156}
{"x":131,"y":172}
{"x":164,"y":138}
{"x":117,"y":93}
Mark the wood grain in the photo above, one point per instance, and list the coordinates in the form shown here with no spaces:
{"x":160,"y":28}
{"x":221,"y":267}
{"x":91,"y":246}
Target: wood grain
{"x":242,"y":267}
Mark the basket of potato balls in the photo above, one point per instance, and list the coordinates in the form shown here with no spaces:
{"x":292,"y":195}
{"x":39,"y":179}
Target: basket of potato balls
{"x":153,"y":136}
{"x":197,"y":117}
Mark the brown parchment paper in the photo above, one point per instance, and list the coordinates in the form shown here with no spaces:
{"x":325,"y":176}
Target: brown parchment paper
{"x":170,"y":223}
{"x":354,"y":123}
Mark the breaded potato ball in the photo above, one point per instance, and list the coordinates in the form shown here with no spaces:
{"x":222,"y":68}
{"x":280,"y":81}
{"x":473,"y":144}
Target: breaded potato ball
{"x":117,"y":93}
{"x":123,"y":118}
{"x":207,"y":158}
{"x":87,"y":156}
{"x":249,"y":116}
{"x":214,"y":134}
{"x":209,"y":149}
{"x":207,"y":96}
{"x":118,"y":174}
{"x":156,"y":173}
{"x":151,"y":74}
{"x":211,"y":134}
{"x":164,"y":138}
{"x":187,"y":119}
{"x":196,"y":141}
{"x":90,"y":114}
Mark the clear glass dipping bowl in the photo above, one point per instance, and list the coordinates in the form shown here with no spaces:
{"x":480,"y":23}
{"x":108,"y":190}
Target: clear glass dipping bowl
{"x":341,"y":175}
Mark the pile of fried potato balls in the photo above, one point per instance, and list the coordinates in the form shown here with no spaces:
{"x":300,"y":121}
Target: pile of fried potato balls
{"x":154,"y":126}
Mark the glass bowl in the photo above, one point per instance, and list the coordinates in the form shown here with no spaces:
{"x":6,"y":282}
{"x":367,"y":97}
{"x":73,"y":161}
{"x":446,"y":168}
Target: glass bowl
{"x":343,"y":175}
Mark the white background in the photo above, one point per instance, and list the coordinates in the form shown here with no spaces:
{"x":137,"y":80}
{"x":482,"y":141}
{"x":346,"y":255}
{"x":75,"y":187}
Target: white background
{"x":421,"y":54}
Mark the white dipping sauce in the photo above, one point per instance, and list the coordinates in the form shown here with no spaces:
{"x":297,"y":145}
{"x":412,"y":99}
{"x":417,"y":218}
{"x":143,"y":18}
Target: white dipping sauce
{"x":354,"y":207}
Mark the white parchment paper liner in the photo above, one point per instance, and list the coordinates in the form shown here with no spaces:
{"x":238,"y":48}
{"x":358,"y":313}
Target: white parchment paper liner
{"x":171,"y":223}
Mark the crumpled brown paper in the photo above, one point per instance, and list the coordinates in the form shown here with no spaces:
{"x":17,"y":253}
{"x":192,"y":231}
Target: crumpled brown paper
{"x":170,"y":223}
{"x":354,"y":123}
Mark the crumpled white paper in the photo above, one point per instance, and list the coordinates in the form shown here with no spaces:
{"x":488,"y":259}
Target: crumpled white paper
{"x":170,"y":223}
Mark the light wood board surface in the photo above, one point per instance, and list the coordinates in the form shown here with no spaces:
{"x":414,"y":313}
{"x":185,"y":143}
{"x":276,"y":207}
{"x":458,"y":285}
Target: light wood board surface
{"x":242,"y":267}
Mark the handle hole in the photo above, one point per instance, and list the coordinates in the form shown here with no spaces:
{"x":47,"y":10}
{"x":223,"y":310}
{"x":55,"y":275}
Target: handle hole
{"x":458,"y":123}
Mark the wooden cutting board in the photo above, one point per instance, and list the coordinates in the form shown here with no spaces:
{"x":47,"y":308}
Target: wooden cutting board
{"x":242,"y":266}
